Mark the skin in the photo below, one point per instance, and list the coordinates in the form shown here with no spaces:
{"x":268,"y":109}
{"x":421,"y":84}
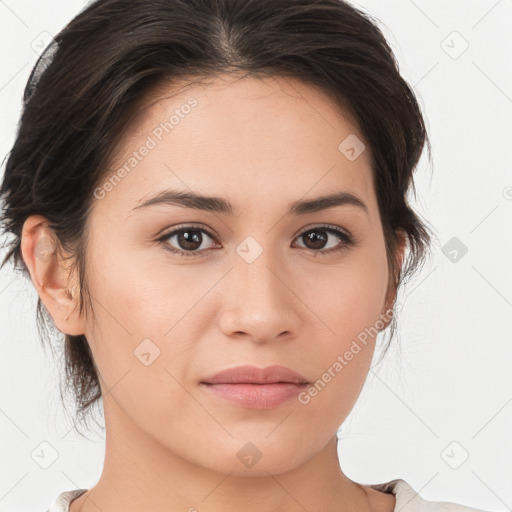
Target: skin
{"x":170,"y":445}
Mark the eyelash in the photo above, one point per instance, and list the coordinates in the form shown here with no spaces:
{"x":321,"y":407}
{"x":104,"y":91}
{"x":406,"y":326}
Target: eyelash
{"x":348,"y":240}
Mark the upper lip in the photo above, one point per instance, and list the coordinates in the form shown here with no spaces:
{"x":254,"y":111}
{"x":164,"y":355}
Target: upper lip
{"x":254,"y":375}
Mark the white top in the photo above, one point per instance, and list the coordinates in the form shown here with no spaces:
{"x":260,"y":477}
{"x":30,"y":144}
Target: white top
{"x":407,"y":499}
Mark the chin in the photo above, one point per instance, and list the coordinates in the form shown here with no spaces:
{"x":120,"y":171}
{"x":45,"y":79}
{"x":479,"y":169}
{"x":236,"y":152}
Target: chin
{"x":258,"y":458}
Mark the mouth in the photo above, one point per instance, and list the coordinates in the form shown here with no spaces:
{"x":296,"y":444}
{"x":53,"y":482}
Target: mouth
{"x":256,"y":388}
{"x":248,"y":374}
{"x":256,"y":396}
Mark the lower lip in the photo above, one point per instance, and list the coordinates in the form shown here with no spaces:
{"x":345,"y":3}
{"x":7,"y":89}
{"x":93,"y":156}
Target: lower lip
{"x":256,"y":396}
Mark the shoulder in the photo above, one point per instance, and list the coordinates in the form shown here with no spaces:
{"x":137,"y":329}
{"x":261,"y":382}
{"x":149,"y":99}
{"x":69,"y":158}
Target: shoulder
{"x":408,"y":500}
{"x":64,"y":499}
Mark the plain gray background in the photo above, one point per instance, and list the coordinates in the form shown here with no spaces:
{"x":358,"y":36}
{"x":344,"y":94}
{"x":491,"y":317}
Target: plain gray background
{"x":438,"y":411}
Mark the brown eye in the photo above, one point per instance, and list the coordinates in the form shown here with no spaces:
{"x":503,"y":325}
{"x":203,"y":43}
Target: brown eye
{"x":317,"y":238}
{"x":188,"y":240}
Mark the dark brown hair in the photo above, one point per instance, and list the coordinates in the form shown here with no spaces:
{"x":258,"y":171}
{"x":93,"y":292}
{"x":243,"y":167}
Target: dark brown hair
{"x":104,"y":66}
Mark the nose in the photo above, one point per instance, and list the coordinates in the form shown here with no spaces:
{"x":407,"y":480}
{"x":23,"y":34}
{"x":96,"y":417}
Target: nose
{"x":258,"y":301}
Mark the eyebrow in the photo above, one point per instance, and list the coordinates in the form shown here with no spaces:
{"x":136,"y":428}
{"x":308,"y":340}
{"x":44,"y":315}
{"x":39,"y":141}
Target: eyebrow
{"x":219,"y":205}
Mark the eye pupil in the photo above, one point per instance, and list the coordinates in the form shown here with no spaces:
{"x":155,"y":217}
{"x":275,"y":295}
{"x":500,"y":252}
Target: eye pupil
{"x":185,"y":238}
{"x":312,"y":236}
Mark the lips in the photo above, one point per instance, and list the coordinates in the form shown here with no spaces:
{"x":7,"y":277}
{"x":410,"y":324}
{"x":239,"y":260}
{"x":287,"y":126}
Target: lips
{"x":255,"y":388}
{"x":253,"y":375}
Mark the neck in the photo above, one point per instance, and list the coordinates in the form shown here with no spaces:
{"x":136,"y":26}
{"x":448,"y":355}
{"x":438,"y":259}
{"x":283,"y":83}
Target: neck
{"x":138,"y":472}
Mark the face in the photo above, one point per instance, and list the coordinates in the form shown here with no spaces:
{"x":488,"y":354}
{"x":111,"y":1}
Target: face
{"x":255,"y":282}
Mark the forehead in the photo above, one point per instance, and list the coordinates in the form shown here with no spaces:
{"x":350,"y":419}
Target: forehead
{"x":262,"y":137}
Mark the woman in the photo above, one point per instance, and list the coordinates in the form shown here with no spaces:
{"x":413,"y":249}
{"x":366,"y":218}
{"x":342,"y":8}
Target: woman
{"x":210,"y":200}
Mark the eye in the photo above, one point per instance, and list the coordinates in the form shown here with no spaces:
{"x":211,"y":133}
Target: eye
{"x":317,"y":239}
{"x":189,"y":240}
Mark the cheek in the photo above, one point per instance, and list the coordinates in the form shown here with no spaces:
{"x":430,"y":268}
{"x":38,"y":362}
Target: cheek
{"x":349,"y":302}
{"x":330,"y":398}
{"x":138,"y":344}
{"x":341,"y":360}
{"x":148,"y":315}
{"x":144,"y":297}
{"x":350,"y":296}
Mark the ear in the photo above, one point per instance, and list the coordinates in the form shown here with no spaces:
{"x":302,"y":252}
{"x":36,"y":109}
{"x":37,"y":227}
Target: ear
{"x":50,"y":275}
{"x":399,"y":258}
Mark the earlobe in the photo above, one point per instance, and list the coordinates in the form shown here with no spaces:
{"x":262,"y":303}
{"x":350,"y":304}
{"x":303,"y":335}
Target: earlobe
{"x":392,"y":290}
{"x":401,"y":248}
{"x":50,"y":275}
